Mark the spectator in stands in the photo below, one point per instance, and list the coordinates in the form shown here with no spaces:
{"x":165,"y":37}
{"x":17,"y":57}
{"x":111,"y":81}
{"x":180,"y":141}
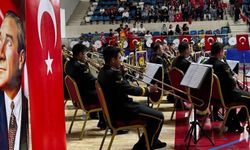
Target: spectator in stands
{"x":112,"y":16}
{"x":148,"y":36}
{"x":134,"y":29}
{"x":177,"y":30}
{"x":164,"y":29}
{"x":120,"y":10}
{"x":138,"y":15}
{"x":220,"y":13}
{"x":185,"y":29}
{"x":171,"y":14}
{"x":237,"y":12}
{"x":170,"y":30}
{"x":156,"y":15}
{"x":141,"y":30}
{"x":125,"y":16}
{"x":213,"y":12}
{"x":150,"y":15}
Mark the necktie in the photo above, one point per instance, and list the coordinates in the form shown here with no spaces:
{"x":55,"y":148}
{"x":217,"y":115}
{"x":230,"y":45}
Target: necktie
{"x":12,"y":128}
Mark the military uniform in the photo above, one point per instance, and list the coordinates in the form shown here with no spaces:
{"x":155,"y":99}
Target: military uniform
{"x":228,"y":84}
{"x":84,"y":79}
{"x":181,"y":63}
{"x":116,"y":90}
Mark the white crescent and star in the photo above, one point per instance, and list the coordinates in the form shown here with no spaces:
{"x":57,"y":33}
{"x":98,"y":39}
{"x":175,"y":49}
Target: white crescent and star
{"x":158,"y":40}
{"x":46,"y":6}
{"x":242,"y":40}
{"x":210,"y":40}
{"x":185,"y":40}
{"x":1,"y":15}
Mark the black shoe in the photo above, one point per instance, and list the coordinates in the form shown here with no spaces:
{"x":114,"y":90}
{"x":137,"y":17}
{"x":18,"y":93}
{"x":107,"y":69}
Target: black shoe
{"x":159,"y":144}
{"x":102,"y":125}
{"x":139,"y":146}
{"x":119,"y":132}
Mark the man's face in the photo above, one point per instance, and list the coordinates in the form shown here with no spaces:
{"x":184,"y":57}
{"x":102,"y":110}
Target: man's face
{"x":10,"y":62}
{"x":116,"y":62}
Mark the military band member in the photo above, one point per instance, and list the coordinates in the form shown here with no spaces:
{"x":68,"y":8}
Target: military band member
{"x":228,"y":85}
{"x":181,"y":62}
{"x":78,"y":69}
{"x":116,"y":90}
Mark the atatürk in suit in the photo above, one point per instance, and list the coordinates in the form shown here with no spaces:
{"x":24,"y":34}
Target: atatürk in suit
{"x":4,"y":124}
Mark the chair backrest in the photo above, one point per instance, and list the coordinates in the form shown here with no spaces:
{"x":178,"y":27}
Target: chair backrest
{"x":103,"y":104}
{"x":156,"y":97}
{"x":175,"y":76}
{"x":74,"y":92}
{"x":204,"y":93}
{"x":217,"y":93}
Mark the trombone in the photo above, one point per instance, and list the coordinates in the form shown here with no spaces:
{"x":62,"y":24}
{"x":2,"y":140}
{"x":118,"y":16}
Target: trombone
{"x":141,"y":71}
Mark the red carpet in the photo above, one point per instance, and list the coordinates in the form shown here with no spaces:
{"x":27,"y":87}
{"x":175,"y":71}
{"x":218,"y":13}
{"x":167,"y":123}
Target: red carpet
{"x":225,"y":141}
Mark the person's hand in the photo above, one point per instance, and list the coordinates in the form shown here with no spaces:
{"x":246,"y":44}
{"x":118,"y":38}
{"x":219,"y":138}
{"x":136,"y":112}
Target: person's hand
{"x":153,"y":88}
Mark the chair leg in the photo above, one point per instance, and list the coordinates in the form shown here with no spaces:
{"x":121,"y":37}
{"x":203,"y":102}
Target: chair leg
{"x":146,"y":138}
{"x":112,"y":139}
{"x":224,"y":121}
{"x":105,"y":134}
{"x":172,"y":115}
{"x":84,"y":124}
{"x":72,"y":122}
{"x":138,"y":130}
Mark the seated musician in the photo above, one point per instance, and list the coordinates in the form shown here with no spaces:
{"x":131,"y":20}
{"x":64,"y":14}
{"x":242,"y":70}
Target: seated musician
{"x":181,"y":62}
{"x":159,"y":58}
{"x":78,"y":69}
{"x":116,"y":90}
{"x":228,"y":86}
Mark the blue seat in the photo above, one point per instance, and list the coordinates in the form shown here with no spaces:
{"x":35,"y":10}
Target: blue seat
{"x":200,"y":31}
{"x":217,"y":31}
{"x":224,"y":30}
{"x":208,"y":32}
{"x":156,"y":33}
{"x":193,"y":32}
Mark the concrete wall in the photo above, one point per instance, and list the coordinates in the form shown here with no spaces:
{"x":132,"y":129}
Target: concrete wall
{"x":69,"y":6}
{"x":75,"y":31}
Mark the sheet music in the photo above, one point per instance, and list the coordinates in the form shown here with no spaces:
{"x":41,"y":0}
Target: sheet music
{"x":232,"y":63}
{"x":151,"y":70}
{"x":248,"y":74}
{"x":93,"y":71}
{"x":194,"y":75}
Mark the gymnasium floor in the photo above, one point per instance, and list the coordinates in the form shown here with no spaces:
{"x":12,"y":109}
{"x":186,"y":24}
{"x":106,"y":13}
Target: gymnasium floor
{"x":173,"y":132}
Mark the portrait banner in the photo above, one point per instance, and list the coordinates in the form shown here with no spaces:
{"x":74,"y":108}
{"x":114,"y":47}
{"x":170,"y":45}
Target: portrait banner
{"x":14,"y":123}
{"x":44,"y":63}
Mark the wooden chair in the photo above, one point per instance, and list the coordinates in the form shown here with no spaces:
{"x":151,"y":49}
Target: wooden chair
{"x":117,"y":125}
{"x":218,"y":99}
{"x":77,"y":101}
{"x":175,"y":76}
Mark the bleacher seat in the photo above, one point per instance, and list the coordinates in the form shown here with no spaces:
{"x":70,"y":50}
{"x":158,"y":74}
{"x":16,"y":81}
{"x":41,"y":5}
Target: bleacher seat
{"x":157,"y":33}
{"x":193,"y":32}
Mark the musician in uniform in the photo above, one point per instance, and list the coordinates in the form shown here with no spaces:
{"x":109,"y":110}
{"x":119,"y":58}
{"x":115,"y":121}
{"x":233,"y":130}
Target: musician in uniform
{"x":78,"y":69}
{"x":116,"y":90}
{"x":181,"y":62}
{"x":159,"y":58}
{"x":228,"y":86}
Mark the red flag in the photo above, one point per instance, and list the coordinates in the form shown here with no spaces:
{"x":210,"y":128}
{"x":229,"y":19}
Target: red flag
{"x":178,"y":17}
{"x":190,"y":20}
{"x":133,"y":41}
{"x":157,"y":39}
{"x":242,"y":42}
{"x":44,"y":63}
{"x":185,"y":38}
{"x":243,"y":17}
{"x":209,"y":40}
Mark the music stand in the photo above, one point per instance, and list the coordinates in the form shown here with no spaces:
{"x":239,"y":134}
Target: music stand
{"x":203,"y":91}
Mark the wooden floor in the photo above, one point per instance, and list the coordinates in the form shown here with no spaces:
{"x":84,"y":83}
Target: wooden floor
{"x":93,"y":136}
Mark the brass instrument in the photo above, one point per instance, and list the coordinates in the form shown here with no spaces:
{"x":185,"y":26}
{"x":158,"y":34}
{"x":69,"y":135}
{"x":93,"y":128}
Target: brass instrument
{"x":141,"y":71}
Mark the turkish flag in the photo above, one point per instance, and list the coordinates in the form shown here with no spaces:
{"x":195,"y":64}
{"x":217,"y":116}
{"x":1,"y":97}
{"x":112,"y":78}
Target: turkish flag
{"x":178,"y":17}
{"x":242,"y":42}
{"x":185,"y":38}
{"x":44,"y":64}
{"x":132,"y":42}
{"x":157,"y":39}
{"x":209,"y":40}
